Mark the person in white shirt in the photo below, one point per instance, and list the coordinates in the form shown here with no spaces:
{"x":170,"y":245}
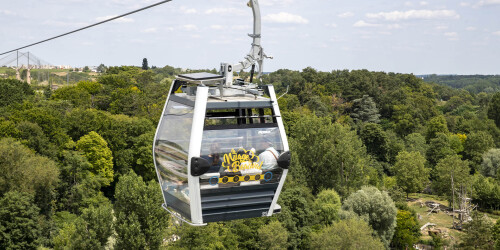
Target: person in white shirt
{"x":269,"y":156}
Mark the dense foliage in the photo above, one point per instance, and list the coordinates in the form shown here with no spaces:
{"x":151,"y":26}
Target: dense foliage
{"x":76,"y":170}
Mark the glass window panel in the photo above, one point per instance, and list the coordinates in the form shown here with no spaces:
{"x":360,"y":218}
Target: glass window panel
{"x":171,"y":154}
{"x":241,"y":157}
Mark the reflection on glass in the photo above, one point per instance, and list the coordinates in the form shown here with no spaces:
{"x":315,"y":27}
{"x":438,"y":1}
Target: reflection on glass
{"x":241,"y":157}
{"x":171,"y":153}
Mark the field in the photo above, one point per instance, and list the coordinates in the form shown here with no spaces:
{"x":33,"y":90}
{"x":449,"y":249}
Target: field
{"x":442,"y":219}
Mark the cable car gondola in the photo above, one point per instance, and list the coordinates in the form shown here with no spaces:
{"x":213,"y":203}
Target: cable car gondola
{"x":220,"y":148}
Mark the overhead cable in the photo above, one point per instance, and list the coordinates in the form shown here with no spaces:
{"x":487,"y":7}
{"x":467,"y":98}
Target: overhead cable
{"x":89,"y":26}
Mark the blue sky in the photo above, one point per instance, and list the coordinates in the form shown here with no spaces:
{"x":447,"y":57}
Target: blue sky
{"x":420,"y":37}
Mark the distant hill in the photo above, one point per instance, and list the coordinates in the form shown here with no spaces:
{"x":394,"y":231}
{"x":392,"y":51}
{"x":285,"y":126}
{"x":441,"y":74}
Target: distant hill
{"x":473,"y":83}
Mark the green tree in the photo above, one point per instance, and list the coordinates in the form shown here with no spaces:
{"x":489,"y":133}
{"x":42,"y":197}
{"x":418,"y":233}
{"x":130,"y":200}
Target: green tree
{"x":338,"y":159}
{"x":439,"y":148}
{"x":448,"y":167}
{"x":476,"y":144}
{"x":491,"y":163}
{"x":96,"y":150}
{"x":19,"y":228}
{"x":478,"y":232}
{"x":377,"y":207}
{"x":436,"y":125}
{"x":24,"y":171}
{"x":346,"y":234}
{"x":138,"y":209}
{"x":494,"y":109}
{"x":407,"y":230}
{"x":495,"y":231}
{"x":212,"y":236}
{"x":273,"y":236}
{"x":145,"y":64}
{"x":327,"y":206}
{"x":416,"y":142}
{"x":411,"y":174}
{"x":365,"y":110}
{"x":375,"y":140}
{"x":13,"y":91}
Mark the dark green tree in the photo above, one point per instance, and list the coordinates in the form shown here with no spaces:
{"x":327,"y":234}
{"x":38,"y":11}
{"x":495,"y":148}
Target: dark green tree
{"x":494,"y":109}
{"x":407,"y":230}
{"x":145,"y":64}
{"x":19,"y":227}
{"x":375,"y":140}
{"x":140,"y":218}
{"x":476,"y":145}
{"x":478,"y":232}
{"x":13,"y":91}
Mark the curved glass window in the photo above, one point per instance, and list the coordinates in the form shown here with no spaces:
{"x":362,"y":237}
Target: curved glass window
{"x":239,"y":157}
{"x":171,"y":155}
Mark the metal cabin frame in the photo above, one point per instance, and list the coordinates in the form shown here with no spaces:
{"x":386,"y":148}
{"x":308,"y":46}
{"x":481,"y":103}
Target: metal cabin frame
{"x":225,"y":203}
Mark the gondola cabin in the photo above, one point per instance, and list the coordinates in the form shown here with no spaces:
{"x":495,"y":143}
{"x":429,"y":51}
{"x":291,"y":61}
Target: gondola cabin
{"x":220,"y":151}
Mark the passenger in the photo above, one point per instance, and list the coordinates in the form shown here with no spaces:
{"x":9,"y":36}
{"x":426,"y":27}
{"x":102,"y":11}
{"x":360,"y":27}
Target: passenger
{"x":214,"y":158}
{"x":269,"y":157}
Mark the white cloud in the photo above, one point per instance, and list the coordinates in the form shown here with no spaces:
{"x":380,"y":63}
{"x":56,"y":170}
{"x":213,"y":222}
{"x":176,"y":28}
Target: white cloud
{"x":470,"y":28}
{"x":189,"y":27}
{"x":284,"y":17}
{"x":452,"y":36}
{"x":119,"y":20}
{"x":408,"y":4}
{"x":346,"y":14}
{"x":363,"y":24}
{"x":224,"y":11}
{"x":150,"y":30}
{"x":275,"y":2}
{"x":186,"y":10}
{"x":394,"y":26}
{"x":488,"y":3}
{"x":241,"y":27}
{"x":7,"y":12}
{"x":64,"y":24}
{"x":496,"y":33}
{"x":424,"y":3}
{"x":464,"y":4}
{"x":331,"y":25}
{"x":415,"y":14}
{"x":441,"y":27}
{"x":216,"y":27}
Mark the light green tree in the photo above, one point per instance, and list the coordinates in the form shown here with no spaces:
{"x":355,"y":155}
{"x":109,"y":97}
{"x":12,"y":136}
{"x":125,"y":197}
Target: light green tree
{"x":476,"y":144}
{"x":410,"y":171}
{"x":446,"y":169}
{"x":346,"y":234}
{"x":436,"y":125}
{"x":96,"y":150}
{"x":327,"y":206}
{"x":377,"y":207}
{"x":491,"y":163}
{"x":273,"y":236}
